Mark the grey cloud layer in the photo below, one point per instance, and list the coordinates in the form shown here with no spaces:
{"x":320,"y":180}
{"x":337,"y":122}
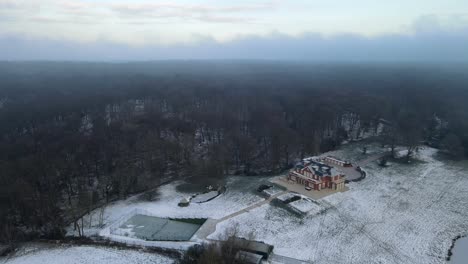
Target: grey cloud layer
{"x":420,"y":46}
{"x":206,"y":13}
{"x":430,"y":38}
{"x":137,"y":10}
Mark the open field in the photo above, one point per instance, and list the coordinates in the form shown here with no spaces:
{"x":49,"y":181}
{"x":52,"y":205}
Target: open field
{"x":404,"y":213}
{"x":50,"y":254}
{"x":400,"y":214}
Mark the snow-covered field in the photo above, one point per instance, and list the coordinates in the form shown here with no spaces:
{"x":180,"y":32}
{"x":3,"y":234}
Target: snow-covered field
{"x":400,"y":214}
{"x":405,"y":213}
{"x":82,"y":255}
{"x":240,"y":194}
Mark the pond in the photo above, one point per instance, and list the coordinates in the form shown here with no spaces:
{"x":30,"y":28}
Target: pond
{"x":159,"y":229}
{"x":460,"y":252}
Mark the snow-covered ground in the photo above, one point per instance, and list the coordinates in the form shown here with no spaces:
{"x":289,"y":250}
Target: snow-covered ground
{"x":240,"y":194}
{"x":82,"y":255}
{"x":405,"y":213}
{"x":400,"y":214}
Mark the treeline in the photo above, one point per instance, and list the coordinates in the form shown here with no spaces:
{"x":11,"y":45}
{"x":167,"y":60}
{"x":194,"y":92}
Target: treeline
{"x":76,"y":135}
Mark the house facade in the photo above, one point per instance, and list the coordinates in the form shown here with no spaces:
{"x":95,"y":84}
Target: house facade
{"x":317,"y":175}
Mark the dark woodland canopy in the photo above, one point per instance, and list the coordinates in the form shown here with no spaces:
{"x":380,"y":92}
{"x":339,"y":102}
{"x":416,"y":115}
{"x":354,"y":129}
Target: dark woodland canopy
{"x":76,"y":135}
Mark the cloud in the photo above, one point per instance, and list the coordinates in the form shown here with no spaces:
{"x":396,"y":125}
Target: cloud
{"x":435,"y":23}
{"x":206,"y":13}
{"x":75,"y":5}
{"x":428,"y":39}
{"x":69,"y":20}
{"x":140,"y":10}
{"x":4,"y":4}
{"x":42,"y":12}
{"x":420,"y":47}
{"x":144,"y":8}
{"x":24,"y":5}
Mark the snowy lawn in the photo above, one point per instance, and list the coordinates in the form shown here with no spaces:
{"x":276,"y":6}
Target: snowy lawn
{"x":405,"y":213}
{"x":400,"y":214}
{"x":240,"y":193}
{"x":82,"y":255}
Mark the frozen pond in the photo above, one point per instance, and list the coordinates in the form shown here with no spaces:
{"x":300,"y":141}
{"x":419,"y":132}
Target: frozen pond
{"x":159,"y":229}
{"x":460,"y":252}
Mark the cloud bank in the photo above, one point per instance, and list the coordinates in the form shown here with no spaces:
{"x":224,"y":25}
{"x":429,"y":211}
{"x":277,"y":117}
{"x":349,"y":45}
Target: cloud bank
{"x":426,"y":40}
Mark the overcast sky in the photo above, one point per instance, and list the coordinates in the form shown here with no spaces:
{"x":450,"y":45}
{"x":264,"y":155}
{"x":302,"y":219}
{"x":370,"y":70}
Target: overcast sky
{"x":234,"y":29}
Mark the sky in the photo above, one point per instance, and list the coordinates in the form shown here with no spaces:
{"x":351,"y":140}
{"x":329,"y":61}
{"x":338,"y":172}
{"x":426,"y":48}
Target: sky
{"x":428,"y":30}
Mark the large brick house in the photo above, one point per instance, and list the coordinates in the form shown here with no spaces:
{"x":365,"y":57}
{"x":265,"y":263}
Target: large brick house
{"x":317,"y":176}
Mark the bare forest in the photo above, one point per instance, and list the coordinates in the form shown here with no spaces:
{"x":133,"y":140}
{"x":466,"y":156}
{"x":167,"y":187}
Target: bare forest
{"x":75,"y":136}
